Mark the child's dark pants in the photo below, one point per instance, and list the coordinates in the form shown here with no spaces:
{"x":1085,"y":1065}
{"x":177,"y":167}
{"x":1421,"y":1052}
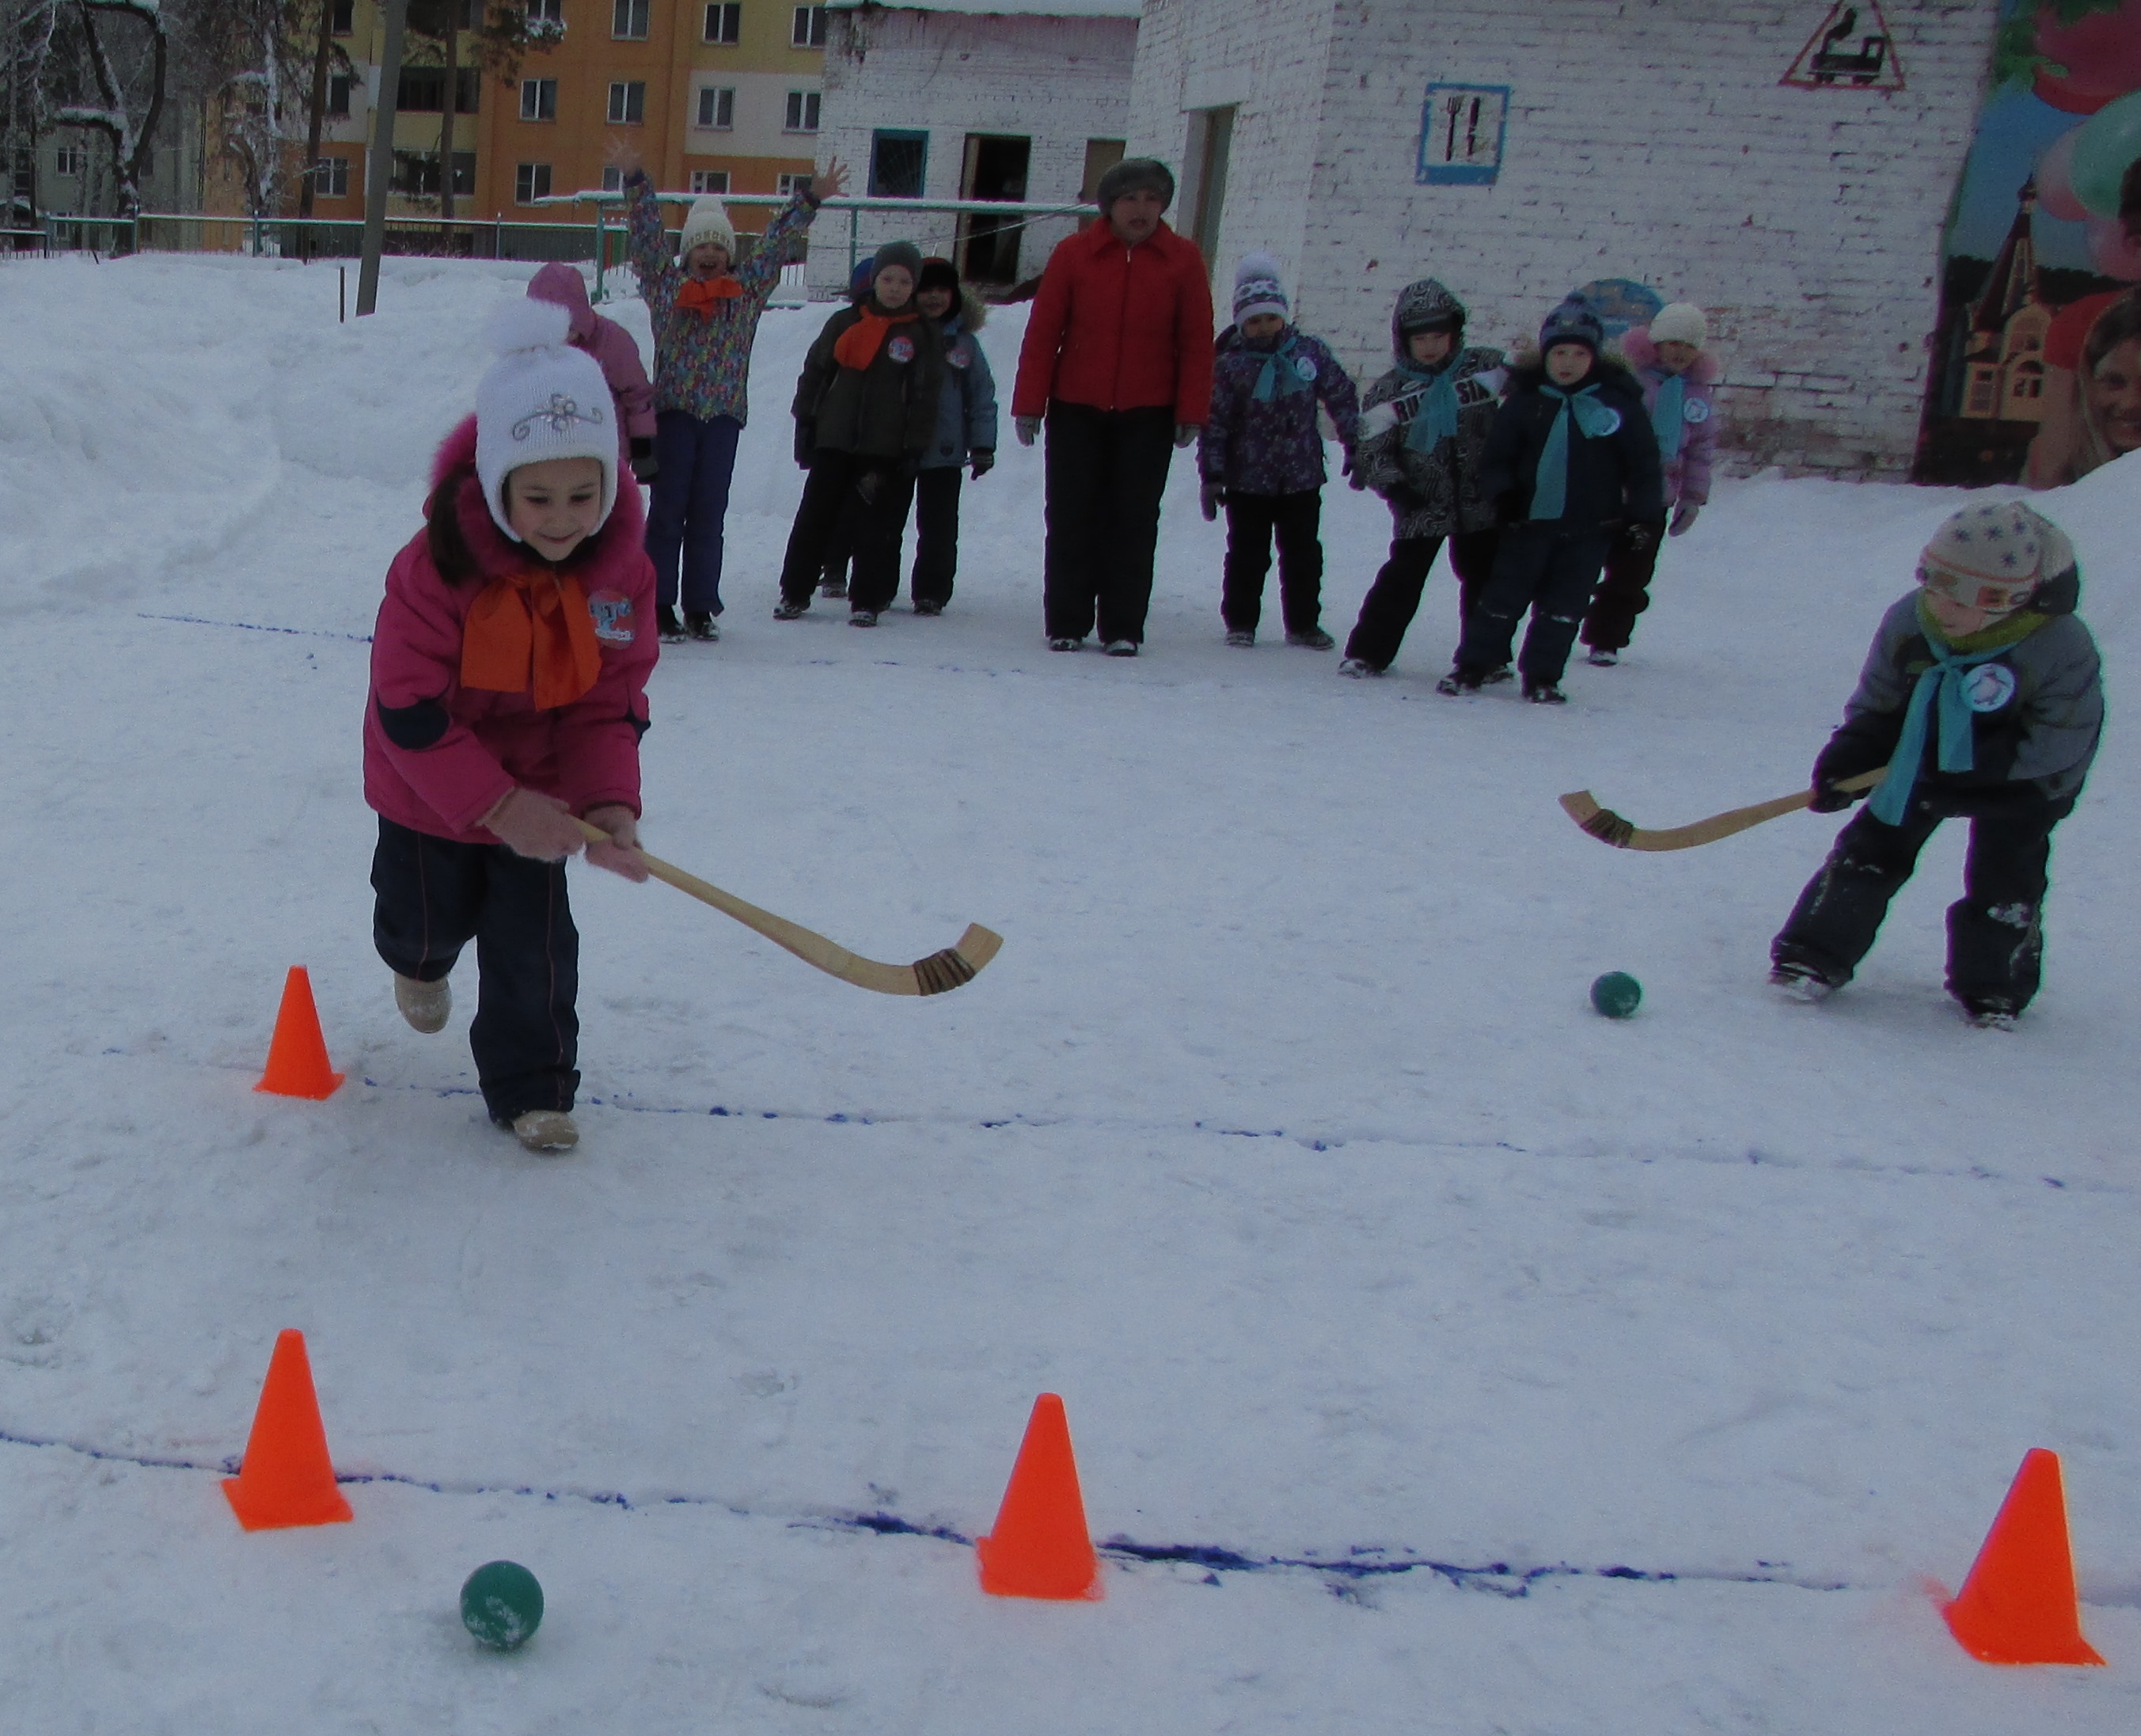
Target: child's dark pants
{"x":1253,"y":522}
{"x":687,"y":514}
{"x":828,"y":492}
{"x":1544,"y":568}
{"x":935,"y":492}
{"x":1994,"y":931}
{"x":436,"y":895}
{"x":1622,"y":595}
{"x":1393,"y":598}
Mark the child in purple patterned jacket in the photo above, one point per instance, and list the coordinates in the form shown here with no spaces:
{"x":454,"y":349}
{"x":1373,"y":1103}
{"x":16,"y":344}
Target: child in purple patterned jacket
{"x":1261,"y":455}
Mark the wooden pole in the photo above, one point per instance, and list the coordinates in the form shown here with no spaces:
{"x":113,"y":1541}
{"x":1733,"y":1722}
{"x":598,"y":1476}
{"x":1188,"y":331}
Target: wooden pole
{"x":380,"y":168}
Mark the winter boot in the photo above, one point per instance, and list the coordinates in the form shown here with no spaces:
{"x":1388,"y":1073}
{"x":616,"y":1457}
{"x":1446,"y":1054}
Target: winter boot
{"x":1544,"y":692}
{"x":426,"y":1006}
{"x":670,"y":629}
{"x":1460,"y":682}
{"x":1358,"y":667}
{"x":1796,"y":980}
{"x":784,"y":610}
{"x":542,"y":1131}
{"x":1241,"y":639}
{"x":928,"y":606}
{"x":1064,"y":645}
{"x":1603,"y":658}
{"x":1314,"y":639}
{"x":1120,"y":648}
{"x":701,"y":625}
{"x":862,"y":618}
{"x":1992,"y":1011}
{"x":1495,"y":677}
{"x":834,"y":586}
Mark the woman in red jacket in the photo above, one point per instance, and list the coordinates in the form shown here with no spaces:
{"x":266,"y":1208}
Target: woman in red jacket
{"x":1118,"y":358}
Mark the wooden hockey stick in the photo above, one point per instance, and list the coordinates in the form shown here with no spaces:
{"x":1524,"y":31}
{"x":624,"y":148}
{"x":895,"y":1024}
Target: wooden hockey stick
{"x":1608,"y":828}
{"x":938,"y":973}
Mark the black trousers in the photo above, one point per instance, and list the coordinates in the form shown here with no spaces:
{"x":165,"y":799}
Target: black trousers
{"x":1547,"y":570}
{"x":828,"y":492}
{"x":1996,"y":941}
{"x":1393,"y":598}
{"x":435,"y":896}
{"x":1106,"y":470}
{"x":935,"y":493}
{"x":1253,"y":521}
{"x":1622,"y":595}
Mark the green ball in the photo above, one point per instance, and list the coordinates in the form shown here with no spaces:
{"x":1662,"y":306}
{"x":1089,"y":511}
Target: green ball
{"x":2104,"y":145}
{"x":502,"y":1604}
{"x":1616,"y":994}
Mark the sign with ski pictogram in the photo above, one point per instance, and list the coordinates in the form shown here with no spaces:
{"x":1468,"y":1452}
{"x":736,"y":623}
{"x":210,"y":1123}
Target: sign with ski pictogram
{"x":1850,"y":50}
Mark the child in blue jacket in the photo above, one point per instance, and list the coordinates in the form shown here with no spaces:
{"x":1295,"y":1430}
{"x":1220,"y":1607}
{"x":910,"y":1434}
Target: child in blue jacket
{"x":966,"y":433}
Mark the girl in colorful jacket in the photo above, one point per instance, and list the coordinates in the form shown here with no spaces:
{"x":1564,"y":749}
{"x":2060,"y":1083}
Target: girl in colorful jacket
{"x":508,"y":678}
{"x":1261,"y":455}
{"x":1982,"y":699}
{"x":1679,"y":380}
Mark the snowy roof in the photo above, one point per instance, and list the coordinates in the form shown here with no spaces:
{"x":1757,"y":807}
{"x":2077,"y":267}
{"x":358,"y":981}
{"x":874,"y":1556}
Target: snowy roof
{"x":1010,"y":8}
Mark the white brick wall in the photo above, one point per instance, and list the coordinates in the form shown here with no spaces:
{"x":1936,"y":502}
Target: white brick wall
{"x":1648,"y":138}
{"x":1057,"y":80}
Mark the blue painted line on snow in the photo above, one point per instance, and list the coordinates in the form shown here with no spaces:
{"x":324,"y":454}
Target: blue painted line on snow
{"x":1359,"y":1563}
{"x":361,"y":638}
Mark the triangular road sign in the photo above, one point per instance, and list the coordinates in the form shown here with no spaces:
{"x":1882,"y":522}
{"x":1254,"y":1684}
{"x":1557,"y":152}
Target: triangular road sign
{"x":1852,"y":50}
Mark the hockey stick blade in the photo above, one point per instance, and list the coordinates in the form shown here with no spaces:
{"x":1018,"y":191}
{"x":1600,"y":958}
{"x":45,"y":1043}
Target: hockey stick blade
{"x":1608,"y":828}
{"x":938,"y":973}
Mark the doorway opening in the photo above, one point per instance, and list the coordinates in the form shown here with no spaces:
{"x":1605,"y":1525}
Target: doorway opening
{"x":995,"y":168}
{"x":1211,"y":142}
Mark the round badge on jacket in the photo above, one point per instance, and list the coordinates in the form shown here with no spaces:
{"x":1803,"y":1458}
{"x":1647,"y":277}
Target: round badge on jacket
{"x":614,"y":624}
{"x":1304,"y":365}
{"x":957,"y":355}
{"x":1989,"y":687}
{"x":1608,"y":425}
{"x":902,"y":348}
{"x":1696,"y":410}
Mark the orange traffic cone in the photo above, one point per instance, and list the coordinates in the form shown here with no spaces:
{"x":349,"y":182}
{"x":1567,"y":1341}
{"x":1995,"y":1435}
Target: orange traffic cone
{"x":286,"y":1478}
{"x":297,"y":1057}
{"x":2018,"y":1606}
{"x":1040,"y":1547}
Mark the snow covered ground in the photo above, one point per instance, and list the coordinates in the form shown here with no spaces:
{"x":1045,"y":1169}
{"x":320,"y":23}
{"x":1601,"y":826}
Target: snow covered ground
{"x":1668,"y":1359}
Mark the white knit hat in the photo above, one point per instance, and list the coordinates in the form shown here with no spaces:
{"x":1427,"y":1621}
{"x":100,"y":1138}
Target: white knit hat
{"x":542,"y":399}
{"x":707,"y":220}
{"x":1682,"y":322}
{"x":1257,"y":289}
{"x":1991,"y":557}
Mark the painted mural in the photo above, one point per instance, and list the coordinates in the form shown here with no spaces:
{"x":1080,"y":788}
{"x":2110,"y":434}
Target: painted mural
{"x":2036,"y":372}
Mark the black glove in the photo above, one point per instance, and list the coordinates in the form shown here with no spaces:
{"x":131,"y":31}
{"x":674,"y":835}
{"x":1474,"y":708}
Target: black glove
{"x":806,"y":442}
{"x":984,"y":460}
{"x":644,"y":468}
{"x":1643,"y":537}
{"x":1211,"y":497}
{"x":868,"y":485}
{"x":1347,"y":470}
{"x":1828,"y":799}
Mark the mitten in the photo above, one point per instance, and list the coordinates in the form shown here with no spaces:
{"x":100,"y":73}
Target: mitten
{"x":645,"y":467}
{"x":1828,"y":799}
{"x":1643,"y":538}
{"x":984,"y":460}
{"x":806,"y":442}
{"x":621,"y":855}
{"x":533,"y":824}
{"x":1683,"y":518}
{"x":1028,"y":428}
{"x":1211,"y":497}
{"x":868,"y":485}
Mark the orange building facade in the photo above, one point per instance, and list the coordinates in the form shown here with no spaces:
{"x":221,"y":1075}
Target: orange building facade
{"x":715,"y":96}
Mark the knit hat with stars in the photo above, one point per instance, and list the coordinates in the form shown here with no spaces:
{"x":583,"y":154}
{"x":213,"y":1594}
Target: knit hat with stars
{"x":1989,"y":557}
{"x":541,"y":399}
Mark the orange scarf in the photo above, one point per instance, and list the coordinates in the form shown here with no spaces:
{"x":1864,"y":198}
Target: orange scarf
{"x":858,"y":346}
{"x":530,"y":632}
{"x":705,"y":295}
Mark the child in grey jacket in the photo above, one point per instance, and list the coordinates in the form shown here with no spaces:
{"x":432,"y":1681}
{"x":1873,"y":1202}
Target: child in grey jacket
{"x":966,"y":434}
{"x":1982,"y":697}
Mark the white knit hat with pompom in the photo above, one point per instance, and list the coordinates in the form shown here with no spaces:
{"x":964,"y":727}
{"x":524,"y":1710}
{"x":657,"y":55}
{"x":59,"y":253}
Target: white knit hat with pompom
{"x":542,"y":399}
{"x":1257,"y":289}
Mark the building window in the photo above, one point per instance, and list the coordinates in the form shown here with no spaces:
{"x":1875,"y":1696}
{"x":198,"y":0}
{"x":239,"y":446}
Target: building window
{"x":339,"y":85}
{"x":709,"y":180}
{"x":628,"y":103}
{"x":802,"y":111}
{"x":417,"y":173}
{"x":897,"y":163}
{"x":345,"y":18}
{"x":716,"y":106}
{"x":612,"y":178}
{"x":548,"y":16}
{"x":531,"y":182}
{"x":331,"y":177}
{"x":725,"y":23}
{"x":809,"y":27}
{"x":423,"y":89}
{"x":629,"y":20}
{"x":70,"y":160}
{"x":538,"y":99}
{"x":789,"y":185}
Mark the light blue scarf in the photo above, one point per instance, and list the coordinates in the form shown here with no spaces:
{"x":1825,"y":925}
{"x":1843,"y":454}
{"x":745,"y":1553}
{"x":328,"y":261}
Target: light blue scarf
{"x":1435,"y":421}
{"x":1279,"y":378}
{"x":1940,"y":691}
{"x":1669,"y":415}
{"x":1550,"y":492}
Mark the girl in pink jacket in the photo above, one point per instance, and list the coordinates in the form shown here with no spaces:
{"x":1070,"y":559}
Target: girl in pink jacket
{"x":618,"y":353}
{"x":509,"y":694}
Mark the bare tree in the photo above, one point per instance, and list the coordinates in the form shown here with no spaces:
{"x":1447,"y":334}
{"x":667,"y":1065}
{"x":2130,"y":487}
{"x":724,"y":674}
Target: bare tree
{"x":27,"y":29}
{"x":125,"y":80}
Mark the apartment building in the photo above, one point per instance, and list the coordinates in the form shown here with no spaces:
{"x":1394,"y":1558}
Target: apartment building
{"x":716,"y":95}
